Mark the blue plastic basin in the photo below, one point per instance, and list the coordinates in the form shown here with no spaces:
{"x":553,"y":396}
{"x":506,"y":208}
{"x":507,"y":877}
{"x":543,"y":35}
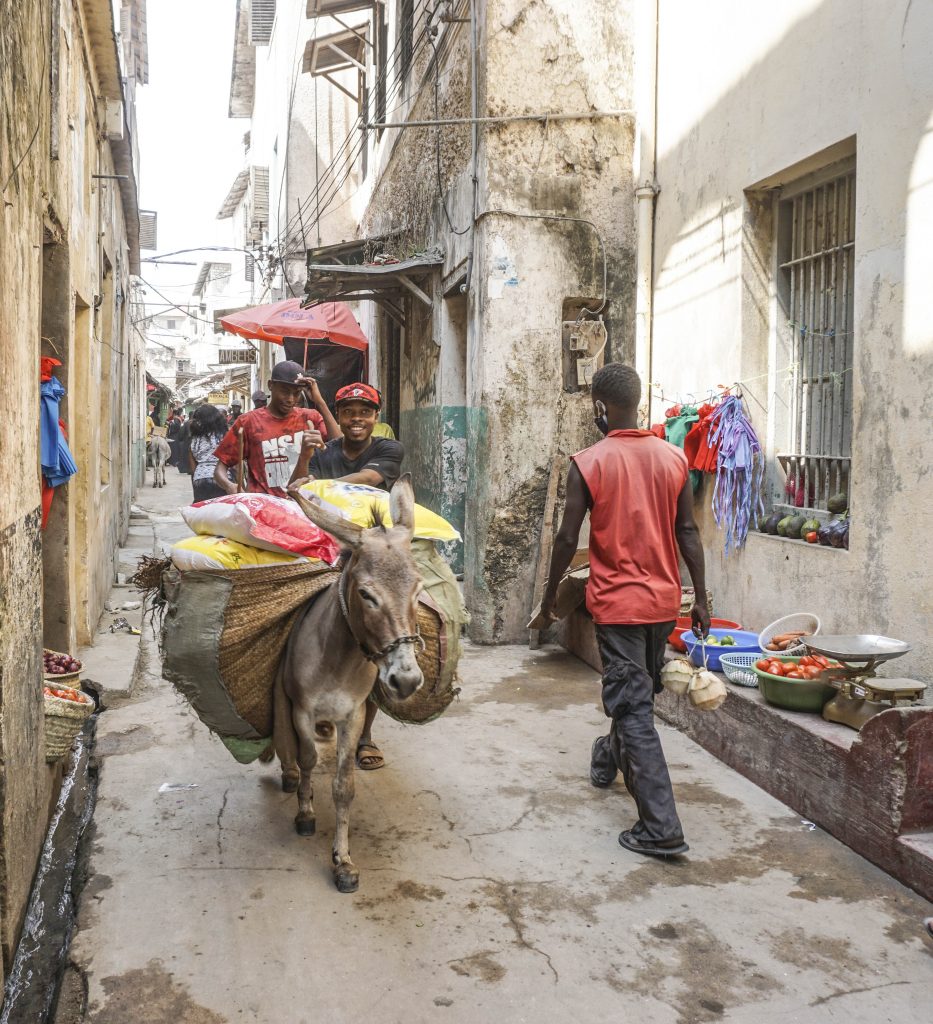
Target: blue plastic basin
{"x":745,"y":643}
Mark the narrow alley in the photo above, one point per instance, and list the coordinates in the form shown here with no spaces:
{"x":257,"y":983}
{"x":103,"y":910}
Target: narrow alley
{"x":492,"y":885}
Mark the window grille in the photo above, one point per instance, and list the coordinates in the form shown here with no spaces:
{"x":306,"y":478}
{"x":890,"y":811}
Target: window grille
{"x":816,"y":253}
{"x":148,"y":229}
{"x":250,"y":270}
{"x":406,"y":36}
{"x":261,"y":19}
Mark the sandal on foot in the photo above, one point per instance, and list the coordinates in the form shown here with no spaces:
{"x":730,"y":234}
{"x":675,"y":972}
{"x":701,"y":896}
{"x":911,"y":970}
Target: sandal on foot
{"x":369,"y":757}
{"x":598,"y":779}
{"x":652,"y":847}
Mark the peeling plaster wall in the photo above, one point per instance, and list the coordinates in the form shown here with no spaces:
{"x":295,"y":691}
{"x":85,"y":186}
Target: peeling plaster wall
{"x":483,"y":408}
{"x":57,"y":222}
{"x":556,"y":57}
{"x":789,"y":81}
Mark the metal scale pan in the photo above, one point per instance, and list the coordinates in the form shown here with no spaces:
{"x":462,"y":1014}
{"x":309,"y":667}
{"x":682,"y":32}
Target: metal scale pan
{"x":859,"y":649}
{"x":860,"y":695}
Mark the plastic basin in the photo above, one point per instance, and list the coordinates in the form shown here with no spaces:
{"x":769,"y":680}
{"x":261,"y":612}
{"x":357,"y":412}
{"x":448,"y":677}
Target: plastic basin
{"x":685,"y":622}
{"x":793,"y":694}
{"x":746,"y":642}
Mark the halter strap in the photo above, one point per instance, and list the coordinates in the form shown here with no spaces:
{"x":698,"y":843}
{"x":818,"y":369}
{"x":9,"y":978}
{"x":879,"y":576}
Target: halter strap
{"x":367,"y":653}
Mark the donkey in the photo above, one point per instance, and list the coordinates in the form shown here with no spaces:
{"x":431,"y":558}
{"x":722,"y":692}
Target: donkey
{"x":161,"y":452}
{"x":363,"y":627}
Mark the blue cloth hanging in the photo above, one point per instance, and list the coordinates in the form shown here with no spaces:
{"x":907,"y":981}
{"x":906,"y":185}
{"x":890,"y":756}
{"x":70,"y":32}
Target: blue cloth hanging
{"x":58,"y":465}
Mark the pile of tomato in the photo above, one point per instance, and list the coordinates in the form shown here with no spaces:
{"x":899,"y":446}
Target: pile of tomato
{"x":65,"y":694}
{"x":810,"y":667}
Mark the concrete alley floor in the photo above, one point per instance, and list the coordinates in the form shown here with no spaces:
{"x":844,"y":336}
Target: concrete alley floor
{"x":492,"y":885}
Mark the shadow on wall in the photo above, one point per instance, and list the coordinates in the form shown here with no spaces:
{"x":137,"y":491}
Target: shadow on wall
{"x":892,"y":493}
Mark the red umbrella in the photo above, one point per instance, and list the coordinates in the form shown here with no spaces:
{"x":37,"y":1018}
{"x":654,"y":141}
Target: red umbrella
{"x":287,"y":319}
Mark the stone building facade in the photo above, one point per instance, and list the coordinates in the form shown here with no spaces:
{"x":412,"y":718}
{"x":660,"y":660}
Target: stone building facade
{"x":809,"y":133}
{"x":69,"y":247}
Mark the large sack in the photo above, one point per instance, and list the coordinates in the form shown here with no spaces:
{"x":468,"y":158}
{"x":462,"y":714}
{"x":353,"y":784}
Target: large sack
{"x":201,"y":552}
{"x":262,"y":521}
{"x":223,"y":634}
{"x":362,"y":504}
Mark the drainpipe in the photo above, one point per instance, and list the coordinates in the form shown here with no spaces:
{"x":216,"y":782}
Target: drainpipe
{"x":646,"y":104}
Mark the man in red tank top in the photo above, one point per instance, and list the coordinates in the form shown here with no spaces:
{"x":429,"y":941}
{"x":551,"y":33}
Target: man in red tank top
{"x":637,"y":490}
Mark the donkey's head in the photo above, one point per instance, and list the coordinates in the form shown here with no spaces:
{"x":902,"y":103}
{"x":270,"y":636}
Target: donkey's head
{"x":381,"y":584}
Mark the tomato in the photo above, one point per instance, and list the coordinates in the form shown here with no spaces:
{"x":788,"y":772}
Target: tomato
{"x":812,"y":672}
{"x":776,"y":668}
{"x":762,"y":664}
{"x":812,"y":537}
{"x":793,"y":674}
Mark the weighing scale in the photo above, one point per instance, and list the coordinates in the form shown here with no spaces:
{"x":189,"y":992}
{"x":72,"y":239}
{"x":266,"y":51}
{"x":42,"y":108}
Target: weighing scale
{"x":861,"y":695}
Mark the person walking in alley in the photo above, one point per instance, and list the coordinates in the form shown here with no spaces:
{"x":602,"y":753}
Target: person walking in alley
{"x":207,"y":426}
{"x":637,"y":490}
{"x":172,"y":430}
{"x":271,"y":440}
{"x":359,"y":458}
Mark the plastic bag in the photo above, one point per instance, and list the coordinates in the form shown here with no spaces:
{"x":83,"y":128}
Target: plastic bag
{"x":357,"y":503}
{"x":262,"y":521}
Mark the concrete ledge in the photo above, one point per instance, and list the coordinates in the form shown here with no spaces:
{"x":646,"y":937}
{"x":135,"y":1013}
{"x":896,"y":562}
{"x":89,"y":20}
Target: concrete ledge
{"x":873,"y":790}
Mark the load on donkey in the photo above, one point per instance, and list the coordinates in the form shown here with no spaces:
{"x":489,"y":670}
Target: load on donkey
{"x":265,"y":654}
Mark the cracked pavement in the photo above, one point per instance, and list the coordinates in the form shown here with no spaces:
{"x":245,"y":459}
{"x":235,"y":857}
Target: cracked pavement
{"x":492,"y":885}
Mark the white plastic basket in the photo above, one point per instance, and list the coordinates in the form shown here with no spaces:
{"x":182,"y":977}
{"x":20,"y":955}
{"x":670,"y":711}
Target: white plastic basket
{"x":806,"y":621}
{"x":737,"y":668}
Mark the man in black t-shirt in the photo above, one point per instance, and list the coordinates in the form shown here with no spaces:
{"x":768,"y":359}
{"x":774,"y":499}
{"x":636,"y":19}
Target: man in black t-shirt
{"x":355,"y":458}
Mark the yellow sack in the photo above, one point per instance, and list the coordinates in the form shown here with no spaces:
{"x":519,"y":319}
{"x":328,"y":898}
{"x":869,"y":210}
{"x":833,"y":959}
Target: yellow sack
{"x":357,"y":501}
{"x":202,"y":552}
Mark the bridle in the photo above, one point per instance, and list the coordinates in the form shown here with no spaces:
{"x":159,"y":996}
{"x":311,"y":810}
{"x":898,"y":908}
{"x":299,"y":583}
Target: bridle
{"x":367,"y":653}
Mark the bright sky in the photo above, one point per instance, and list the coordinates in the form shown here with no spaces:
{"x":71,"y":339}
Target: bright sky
{"x":190,"y":151}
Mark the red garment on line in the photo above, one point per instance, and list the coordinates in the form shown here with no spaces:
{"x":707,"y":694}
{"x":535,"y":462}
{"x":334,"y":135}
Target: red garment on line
{"x":700,"y":453}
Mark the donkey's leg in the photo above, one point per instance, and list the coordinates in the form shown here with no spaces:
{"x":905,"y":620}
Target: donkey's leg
{"x":346,"y":876}
{"x":307,"y":758}
{"x":283,"y":735}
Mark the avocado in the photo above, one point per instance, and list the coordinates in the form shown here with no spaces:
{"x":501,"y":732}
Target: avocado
{"x":793,"y":528}
{"x":838,"y":503}
{"x":782,"y":526}
{"x":810,"y":526}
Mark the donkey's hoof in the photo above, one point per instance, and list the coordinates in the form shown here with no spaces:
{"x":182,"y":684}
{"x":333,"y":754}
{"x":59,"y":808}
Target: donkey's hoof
{"x":304,"y":825}
{"x":289,"y":785}
{"x":347,"y":879}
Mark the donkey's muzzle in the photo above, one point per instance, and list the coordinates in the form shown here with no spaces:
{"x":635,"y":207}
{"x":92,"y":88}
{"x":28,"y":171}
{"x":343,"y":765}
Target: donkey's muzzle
{"x":402,"y":683}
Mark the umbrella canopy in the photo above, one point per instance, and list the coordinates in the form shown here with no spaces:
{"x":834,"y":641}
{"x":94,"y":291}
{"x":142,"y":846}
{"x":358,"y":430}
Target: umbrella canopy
{"x":276,"y":321}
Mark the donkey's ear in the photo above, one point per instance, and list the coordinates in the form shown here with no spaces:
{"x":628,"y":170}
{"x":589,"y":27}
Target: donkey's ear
{"x":402,"y":504}
{"x":346,"y":532}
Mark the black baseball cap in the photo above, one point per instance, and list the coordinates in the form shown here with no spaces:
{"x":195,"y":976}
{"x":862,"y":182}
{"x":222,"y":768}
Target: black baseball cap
{"x":287,"y":372}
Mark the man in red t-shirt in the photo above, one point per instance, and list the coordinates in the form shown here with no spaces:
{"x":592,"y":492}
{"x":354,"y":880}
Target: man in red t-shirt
{"x":272,"y":438}
{"x":637,"y":490}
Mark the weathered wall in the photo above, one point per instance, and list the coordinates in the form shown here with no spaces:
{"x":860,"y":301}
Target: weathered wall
{"x":25,"y":783}
{"x":565,"y":58}
{"x":484,"y":411}
{"x":63,"y":274}
{"x":789,"y":81}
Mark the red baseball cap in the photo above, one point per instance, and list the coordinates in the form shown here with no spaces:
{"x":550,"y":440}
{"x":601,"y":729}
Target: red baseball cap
{"x":359,"y":393}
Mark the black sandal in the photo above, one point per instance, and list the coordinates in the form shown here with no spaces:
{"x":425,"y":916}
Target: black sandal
{"x":652,"y":847}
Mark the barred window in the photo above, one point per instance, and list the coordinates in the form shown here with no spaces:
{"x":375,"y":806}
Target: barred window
{"x":816,"y":261}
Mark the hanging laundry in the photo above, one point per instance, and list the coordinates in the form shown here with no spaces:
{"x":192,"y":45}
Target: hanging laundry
{"x":739,"y":474}
{"x":58,"y":466}
{"x":700,"y":450}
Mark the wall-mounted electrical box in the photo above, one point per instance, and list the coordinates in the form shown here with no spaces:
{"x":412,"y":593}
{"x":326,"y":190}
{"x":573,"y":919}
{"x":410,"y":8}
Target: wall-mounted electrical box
{"x":583,"y":342}
{"x":113,"y":119}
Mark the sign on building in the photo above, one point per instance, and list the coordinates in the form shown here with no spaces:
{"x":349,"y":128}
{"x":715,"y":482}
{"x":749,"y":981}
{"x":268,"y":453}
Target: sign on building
{"x":228,"y":356}
{"x":217,"y":398}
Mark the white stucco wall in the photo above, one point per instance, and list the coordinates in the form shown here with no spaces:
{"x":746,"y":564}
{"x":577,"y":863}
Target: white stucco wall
{"x":745,"y":92}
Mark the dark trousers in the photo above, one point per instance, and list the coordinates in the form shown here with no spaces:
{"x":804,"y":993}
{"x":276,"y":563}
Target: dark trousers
{"x":632,"y":658}
{"x":204,"y":490}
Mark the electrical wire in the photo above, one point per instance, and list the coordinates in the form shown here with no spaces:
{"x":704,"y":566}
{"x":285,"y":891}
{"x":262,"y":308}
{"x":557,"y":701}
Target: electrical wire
{"x":571,"y":220}
{"x":173,"y":305}
{"x":38,"y":118}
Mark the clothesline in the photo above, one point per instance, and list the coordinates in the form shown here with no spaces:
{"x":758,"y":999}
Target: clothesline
{"x":784,"y":375}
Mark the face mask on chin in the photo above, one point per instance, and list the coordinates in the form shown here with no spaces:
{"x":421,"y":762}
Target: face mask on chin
{"x":601,"y":421}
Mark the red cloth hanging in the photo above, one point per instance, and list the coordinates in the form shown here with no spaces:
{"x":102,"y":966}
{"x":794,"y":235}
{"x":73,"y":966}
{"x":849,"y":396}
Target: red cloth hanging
{"x":48,"y":491}
{"x":700,"y":453}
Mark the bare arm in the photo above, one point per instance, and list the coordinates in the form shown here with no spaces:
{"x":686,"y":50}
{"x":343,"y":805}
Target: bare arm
{"x":317,"y":399}
{"x":222,"y":480}
{"x":565,"y":544}
{"x":688,"y":540}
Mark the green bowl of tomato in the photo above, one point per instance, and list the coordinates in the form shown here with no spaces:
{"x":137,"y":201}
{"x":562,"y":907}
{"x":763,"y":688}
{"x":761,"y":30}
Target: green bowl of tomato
{"x":794,"y":684}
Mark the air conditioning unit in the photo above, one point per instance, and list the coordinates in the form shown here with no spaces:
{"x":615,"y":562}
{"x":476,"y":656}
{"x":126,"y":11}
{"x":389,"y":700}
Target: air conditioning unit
{"x":113,"y":119}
